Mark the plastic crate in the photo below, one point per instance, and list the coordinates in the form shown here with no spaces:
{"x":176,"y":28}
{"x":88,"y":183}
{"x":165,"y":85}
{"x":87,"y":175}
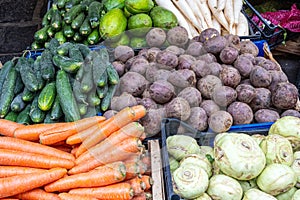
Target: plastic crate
{"x":169,"y":127}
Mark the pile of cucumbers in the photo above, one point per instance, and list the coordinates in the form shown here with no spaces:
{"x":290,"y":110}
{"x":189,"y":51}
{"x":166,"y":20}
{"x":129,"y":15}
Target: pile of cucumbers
{"x":65,"y":83}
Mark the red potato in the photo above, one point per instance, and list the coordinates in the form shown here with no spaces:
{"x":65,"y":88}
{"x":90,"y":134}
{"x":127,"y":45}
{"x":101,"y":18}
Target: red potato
{"x":143,"y":53}
{"x":228,"y":55}
{"x":182,"y":78}
{"x":262,"y":99}
{"x":266,"y":115}
{"x":123,"y":53}
{"x":185,"y":61}
{"x":220,"y":121}
{"x":249,"y":56}
{"x":244,"y":65}
{"x":192,"y":95}
{"x":230,"y":76}
{"x":178,"y":36}
{"x":195,"y":49}
{"x":240,"y":112}
{"x":176,"y":50}
{"x":260,"y":77}
{"x":245,"y":93}
{"x":285,"y":96}
{"x":167,"y":60}
{"x":133,"y":83}
{"x":210,"y":107}
{"x":259,"y":60}
{"x":246,"y":81}
{"x":215,"y":45}
{"x":207,"y":84}
{"x":198,"y":119}
{"x":161,"y":91}
{"x":224,"y":95}
{"x":129,"y":62}
{"x":178,"y":108}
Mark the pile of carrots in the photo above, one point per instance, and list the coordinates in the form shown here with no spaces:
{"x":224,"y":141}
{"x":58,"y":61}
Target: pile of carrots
{"x":92,"y":158}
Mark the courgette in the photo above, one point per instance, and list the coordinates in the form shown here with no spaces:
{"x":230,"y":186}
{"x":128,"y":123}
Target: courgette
{"x":46,"y":65}
{"x":41,"y":35}
{"x":101,"y":91}
{"x":19,"y":84}
{"x":79,"y":96}
{"x":67,"y":64}
{"x":4,"y":71}
{"x":77,"y":22}
{"x":93,"y":37}
{"x":84,"y":49}
{"x":56,"y":111}
{"x":72,"y":13}
{"x":66,"y":97}
{"x":85,"y":28}
{"x":112,"y":74}
{"x":23,"y":116}
{"x":47,"y":97}
{"x":60,"y":37}
{"x":105,"y":102}
{"x":75,"y":53}
{"x":38,"y":72}
{"x":7,"y":92}
{"x":11,"y":116}
{"x":63,"y":49}
{"x":87,"y":83}
{"x":100,"y":61}
{"x":36,"y":114}
{"x":27,"y":95}
{"x":17,"y":103}
{"x":94,"y":13}
{"x":56,"y":21}
{"x":68,"y":31}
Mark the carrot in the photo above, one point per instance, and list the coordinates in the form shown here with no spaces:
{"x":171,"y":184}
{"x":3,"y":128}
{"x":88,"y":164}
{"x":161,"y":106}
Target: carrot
{"x":137,"y":185}
{"x":120,"y":191}
{"x":13,"y":185}
{"x":82,"y":135}
{"x":148,"y":181}
{"x":32,"y":147}
{"x":6,"y":171}
{"x":122,"y":118}
{"x":26,"y":159}
{"x":102,"y":176}
{"x":143,"y":196}
{"x":133,"y":129}
{"x":113,"y":154}
{"x":134,"y":169}
{"x":74,"y":149}
{"x":37,"y":194}
{"x":134,"y":158}
{"x":64,"y":148}
{"x":68,"y":196}
{"x":8,"y":127}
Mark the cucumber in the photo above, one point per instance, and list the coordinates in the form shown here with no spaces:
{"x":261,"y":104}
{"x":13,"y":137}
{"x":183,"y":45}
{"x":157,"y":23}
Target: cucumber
{"x":38,"y":72}
{"x":91,"y":111}
{"x":93,"y":99}
{"x":66,"y":97}
{"x":64,"y":48}
{"x":36,"y":114}
{"x":50,"y":32}
{"x":17,"y":103}
{"x":103,"y":80}
{"x":67,"y":64}
{"x":94,"y":13}
{"x":79,"y":96}
{"x":82,"y":108}
{"x":76,"y":54}
{"x":46,"y":65}
{"x":101,"y":91}
{"x":68,"y":31}
{"x":79,"y":74}
{"x":72,"y":13}
{"x":53,"y":45}
{"x":41,"y":35}
{"x":19,"y":84}
{"x":77,"y":22}
{"x":61,"y":3}
{"x":85,"y":28}
{"x":21,"y":61}
{"x":27,"y":95}
{"x":28,"y":76}
{"x":4,"y":71}
{"x":113,"y":77}
{"x":36,"y":45}
{"x":47,"y":97}
{"x":11,"y":116}
{"x":56,"y":21}
{"x":100,"y":61}
{"x":105,"y":103}
{"x":45,"y":20}
{"x":93,"y":37}
{"x":71,"y":3}
{"x":77,"y":37}
{"x":56,"y":111}
{"x":23,"y":117}
{"x":7,"y":92}
{"x":60,"y":37}
{"x":87,"y":83}
{"x":84,"y":49}
{"x":48,"y":119}
{"x":86,"y":4}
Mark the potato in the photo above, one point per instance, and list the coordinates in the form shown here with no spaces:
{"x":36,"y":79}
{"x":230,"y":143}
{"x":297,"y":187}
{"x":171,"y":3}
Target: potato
{"x":182,"y":78}
{"x":109,"y":113}
{"x":178,"y":36}
{"x":220,"y":121}
{"x":215,"y":45}
{"x":215,"y":68}
{"x":146,"y":93}
{"x":249,"y":56}
{"x":285,"y":96}
{"x":185,"y":61}
{"x":122,"y":101}
{"x":200,"y":68}
{"x":244,"y":65}
{"x":248,"y":46}
{"x":245,"y":93}
{"x":259,"y":60}
{"x":152,"y":121}
{"x":240,"y":112}
{"x":260,"y":77}
{"x":207,"y":84}
{"x":230,"y":76}
{"x":266,"y":115}
{"x":246,"y":81}
{"x":175,"y":49}
{"x":233,"y":41}
{"x":198,"y":119}
{"x":152,"y":53}
{"x":162,"y":74}
{"x":133,"y":83}
{"x":119,"y":67}
{"x":210,"y":107}
{"x":123,"y":53}
{"x":228,"y":55}
{"x":178,"y":108}
{"x":151,"y":72}
{"x":167,"y":60}
{"x":161,"y":91}
{"x":277,"y":77}
{"x":192,"y":95}
{"x":269,"y":65}
{"x":144,"y":53}
{"x":148,"y":103}
{"x":156,"y":37}
{"x":290,"y":112}
{"x":139,"y":65}
{"x":207,"y":57}
{"x":262,"y":99}
{"x":224,"y":95}
{"x":129,"y":62}
{"x":207,"y":34}
{"x":195,"y":49}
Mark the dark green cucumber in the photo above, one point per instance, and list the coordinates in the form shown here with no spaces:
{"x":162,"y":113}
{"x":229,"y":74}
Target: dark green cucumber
{"x":85,"y":28}
{"x":56,"y":111}
{"x":93,"y":99}
{"x":48,"y":119}
{"x":53,"y":45}
{"x":113,"y":76}
{"x":45,"y":20}
{"x":56,"y":21}
{"x":23,"y":116}
{"x":27,"y":95}
{"x":46,"y":65}
{"x":60,"y":37}
{"x":67,"y":64}
{"x":36,"y":45}
{"x":38,"y":72}
{"x":61,"y":3}
{"x":93,"y":37}
{"x":105,"y":102}
{"x":84,"y":49}
{"x":51,"y":32}
{"x":11,"y":116}
{"x":79,"y":74}
{"x":82,"y":108}
{"x":7,"y":92}
{"x":63,"y":49}
{"x":103,"y":80}
{"x":71,"y":14}
{"x":87,"y":83}
{"x":68,"y":31}
{"x":36,"y":114}
{"x":86,"y":4}
{"x":79,"y":96}
{"x":91,"y":111}
{"x":19,"y":84}
{"x":77,"y":22}
{"x":101,"y":91}
{"x":77,"y":37}
{"x":41,"y":35}
{"x":47,"y":96}
{"x":71,"y":3}
{"x":94,"y":13}
{"x":17,"y":103}
{"x":66,"y":97}
{"x":100,"y":61}
{"x":21,"y":61}
{"x":4,"y":71}
{"x":28,"y":76}
{"x":75,"y":53}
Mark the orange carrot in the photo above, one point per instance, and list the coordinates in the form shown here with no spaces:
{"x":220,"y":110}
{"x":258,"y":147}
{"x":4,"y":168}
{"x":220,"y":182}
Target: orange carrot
{"x":26,"y":159}
{"x":64,"y":148}
{"x":37,"y":194}
{"x":120,"y":191}
{"x":8,"y":127}
{"x":134,"y":158}
{"x":143,"y":196}
{"x":32,"y":147}
{"x":68,"y":196}
{"x":122,"y":118}
{"x":13,"y":185}
{"x":146,"y":159}
{"x":113,"y":154}
{"x":132,"y":170}
{"x":6,"y":171}
{"x":148,"y":181}
{"x":137,"y":185}
{"x":82,"y":135}
{"x":133,"y":129}
{"x":74,"y":149}
{"x":102,"y":176}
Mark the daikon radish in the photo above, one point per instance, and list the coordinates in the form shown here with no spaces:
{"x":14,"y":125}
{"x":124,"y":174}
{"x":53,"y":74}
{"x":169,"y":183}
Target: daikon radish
{"x":221,"y":5}
{"x":237,"y":7}
{"x":228,"y":12}
{"x":197,"y":12}
{"x":219,"y":15}
{"x":203,"y":6}
{"x":242,"y":29}
{"x":193,"y":30}
{"x":216,"y":24}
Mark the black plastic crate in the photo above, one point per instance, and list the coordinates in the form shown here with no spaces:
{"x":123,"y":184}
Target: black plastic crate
{"x":169,"y":127}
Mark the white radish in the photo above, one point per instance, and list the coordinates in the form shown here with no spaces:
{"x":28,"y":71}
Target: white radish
{"x":167,"y":4}
{"x":193,"y":30}
{"x":219,"y":15}
{"x":242,"y":29}
{"x":216,"y":24}
{"x":198,"y":14}
{"x":228,"y":12}
{"x":221,"y":5}
{"x":237,"y":7}
{"x":202,"y":4}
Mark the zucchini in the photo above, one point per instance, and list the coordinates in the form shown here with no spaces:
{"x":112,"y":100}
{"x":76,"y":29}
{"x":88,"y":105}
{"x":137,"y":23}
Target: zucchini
{"x":113,"y":77}
{"x":7,"y":92}
{"x":47,"y":17}
{"x":75,"y":53}
{"x":93,"y":37}
{"x":85,"y":28}
{"x":94,"y":13}
{"x":38,"y":72}
{"x":17,"y":103}
{"x":68,"y":31}
{"x":66,"y":97}
{"x":87,"y":83}
{"x":72,"y":13}
{"x":4,"y":71}
{"x":56,"y":21}
{"x":63,"y":49}
{"x":19,"y":84}
{"x":23,"y":117}
{"x":36,"y":114}
{"x":51,"y":32}
{"x":28,"y":76}
{"x":56,"y":111}
{"x":105,"y":103}
{"x":93,"y":99}
{"x":100,"y":61}
{"x":60,"y":37}
{"x":101,"y":91}
{"x":46,"y":65}
{"x":27,"y":95}
{"x":77,"y":22}
{"x":79,"y":96}
{"x":77,"y":37}
{"x":84,"y":49}
{"x":82,"y":108}
{"x":67,"y":64}
{"x":41,"y":35}
{"x":11,"y":116}
{"x":71,"y":3}
{"x":47,"y":97}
